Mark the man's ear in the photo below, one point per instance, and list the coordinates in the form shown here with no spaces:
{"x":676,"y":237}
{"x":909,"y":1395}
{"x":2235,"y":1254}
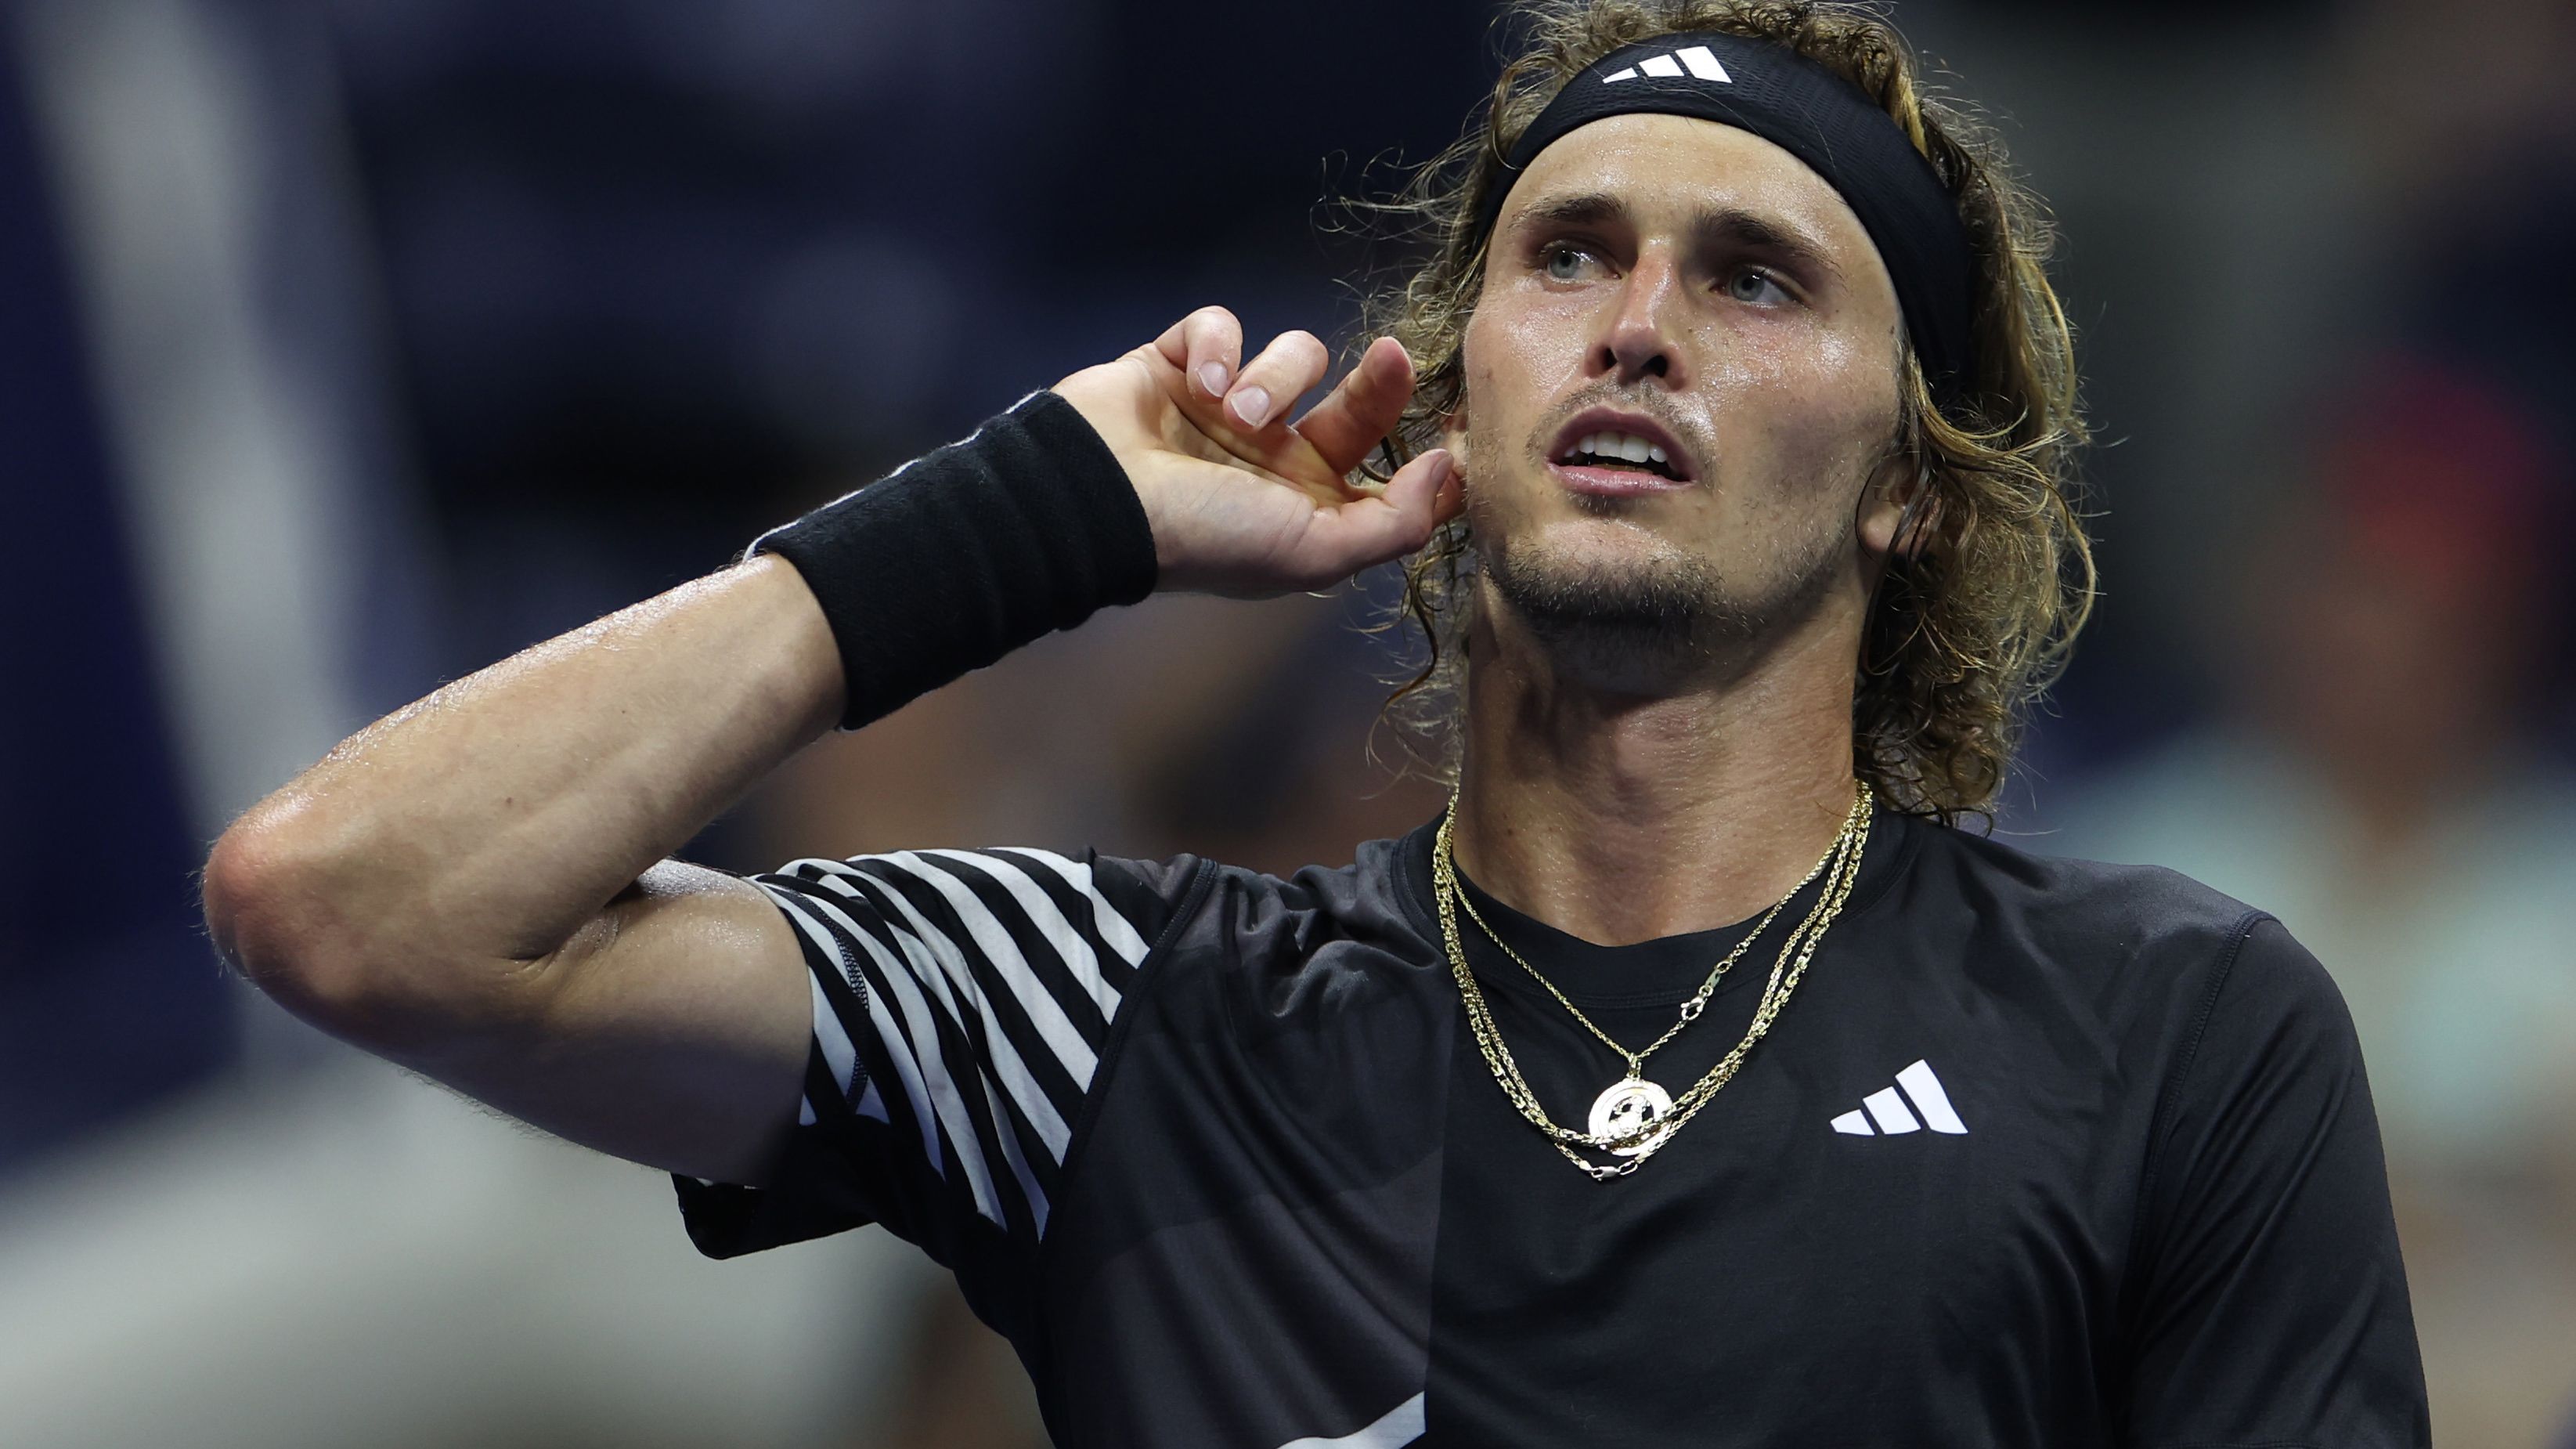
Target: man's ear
{"x":1899,"y":511}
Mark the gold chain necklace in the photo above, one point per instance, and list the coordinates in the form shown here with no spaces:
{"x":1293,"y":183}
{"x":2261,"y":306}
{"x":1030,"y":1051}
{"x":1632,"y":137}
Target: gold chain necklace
{"x":1690,"y":1009}
{"x":1634,"y":1118}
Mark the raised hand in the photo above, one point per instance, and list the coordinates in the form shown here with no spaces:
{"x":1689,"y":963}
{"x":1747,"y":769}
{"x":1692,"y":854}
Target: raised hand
{"x":1243,"y":502}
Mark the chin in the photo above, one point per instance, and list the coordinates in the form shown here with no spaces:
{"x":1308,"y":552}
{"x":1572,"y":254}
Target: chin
{"x":1627,"y":608}
{"x":1593,"y":588}
{"x":1606,"y":551}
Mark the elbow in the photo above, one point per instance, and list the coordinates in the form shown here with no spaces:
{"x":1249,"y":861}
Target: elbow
{"x":290,"y":915}
{"x":270,"y":917}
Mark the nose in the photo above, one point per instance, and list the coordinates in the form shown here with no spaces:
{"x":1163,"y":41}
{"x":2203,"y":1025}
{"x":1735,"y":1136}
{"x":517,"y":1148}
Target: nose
{"x":1637,"y":340}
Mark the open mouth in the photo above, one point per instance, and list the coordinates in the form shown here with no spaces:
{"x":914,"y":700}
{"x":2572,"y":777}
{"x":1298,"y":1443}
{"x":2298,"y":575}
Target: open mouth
{"x":1618,"y":450}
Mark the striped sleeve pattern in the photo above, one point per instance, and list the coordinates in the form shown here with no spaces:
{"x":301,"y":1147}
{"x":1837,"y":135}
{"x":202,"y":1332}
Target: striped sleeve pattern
{"x":963,"y":999}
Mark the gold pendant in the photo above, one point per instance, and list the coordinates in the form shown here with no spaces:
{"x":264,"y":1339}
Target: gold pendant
{"x":1626,"y":1110}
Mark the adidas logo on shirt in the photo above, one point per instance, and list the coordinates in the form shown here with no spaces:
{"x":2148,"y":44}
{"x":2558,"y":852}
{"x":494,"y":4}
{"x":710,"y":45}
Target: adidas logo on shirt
{"x":1693,"y":59}
{"x":1887,"y":1107}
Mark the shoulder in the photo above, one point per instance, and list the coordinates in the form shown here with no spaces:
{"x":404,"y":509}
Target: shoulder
{"x":1248,"y":945}
{"x":1036,"y":901}
{"x":2140,"y":944}
{"x":1366,"y":899}
{"x":2098,"y":904}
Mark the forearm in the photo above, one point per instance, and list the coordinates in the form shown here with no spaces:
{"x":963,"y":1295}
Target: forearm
{"x":491,"y":820}
{"x":404,"y":887}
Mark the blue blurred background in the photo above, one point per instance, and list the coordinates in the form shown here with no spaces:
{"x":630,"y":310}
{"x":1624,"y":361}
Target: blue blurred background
{"x":346,"y":345}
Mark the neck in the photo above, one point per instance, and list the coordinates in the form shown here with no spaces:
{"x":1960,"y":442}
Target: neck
{"x":1620,"y":816}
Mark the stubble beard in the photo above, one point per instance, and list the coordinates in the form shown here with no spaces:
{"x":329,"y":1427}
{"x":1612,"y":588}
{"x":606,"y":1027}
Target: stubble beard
{"x":1661,"y":615}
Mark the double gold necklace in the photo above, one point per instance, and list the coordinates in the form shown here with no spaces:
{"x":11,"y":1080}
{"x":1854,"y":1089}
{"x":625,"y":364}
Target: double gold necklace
{"x":1633,"y":1118}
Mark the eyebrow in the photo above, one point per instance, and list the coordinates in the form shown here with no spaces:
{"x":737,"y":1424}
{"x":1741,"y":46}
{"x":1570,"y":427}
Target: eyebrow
{"x":1716,"y":224}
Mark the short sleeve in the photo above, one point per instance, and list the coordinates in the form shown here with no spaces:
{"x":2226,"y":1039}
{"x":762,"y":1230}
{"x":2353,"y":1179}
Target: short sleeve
{"x":963,"y":1003}
{"x":2270,"y":1303}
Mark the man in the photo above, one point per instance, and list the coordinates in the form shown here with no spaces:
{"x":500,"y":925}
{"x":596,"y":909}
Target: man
{"x":1751,"y":408}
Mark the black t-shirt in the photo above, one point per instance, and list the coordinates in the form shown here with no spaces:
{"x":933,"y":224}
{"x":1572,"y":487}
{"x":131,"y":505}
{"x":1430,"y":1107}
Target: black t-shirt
{"x":2041,"y":1152}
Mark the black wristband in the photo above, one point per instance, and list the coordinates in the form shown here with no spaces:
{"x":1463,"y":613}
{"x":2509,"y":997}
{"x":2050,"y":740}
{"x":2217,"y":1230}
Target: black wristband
{"x":1026,"y":526}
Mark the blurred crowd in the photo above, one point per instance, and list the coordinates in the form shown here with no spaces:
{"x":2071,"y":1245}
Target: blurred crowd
{"x":346,"y":345}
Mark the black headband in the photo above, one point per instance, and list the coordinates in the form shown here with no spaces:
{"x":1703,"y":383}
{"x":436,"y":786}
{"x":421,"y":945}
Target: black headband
{"x":1824,"y":121}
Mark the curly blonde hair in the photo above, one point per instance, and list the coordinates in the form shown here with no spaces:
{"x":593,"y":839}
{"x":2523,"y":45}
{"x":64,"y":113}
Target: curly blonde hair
{"x":1977,"y":610}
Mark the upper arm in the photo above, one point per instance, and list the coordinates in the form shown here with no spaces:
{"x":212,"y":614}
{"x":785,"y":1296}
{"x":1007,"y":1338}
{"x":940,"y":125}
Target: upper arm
{"x":673,"y":1029}
{"x":904,"y":1038}
{"x":2269,"y":1303}
{"x":963,"y":1005}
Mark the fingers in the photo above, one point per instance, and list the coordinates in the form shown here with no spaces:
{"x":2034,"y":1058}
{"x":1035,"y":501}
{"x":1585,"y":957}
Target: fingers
{"x":1243,"y":410}
{"x":1292,"y":363}
{"x":1364,"y":408}
{"x":1206,"y":346}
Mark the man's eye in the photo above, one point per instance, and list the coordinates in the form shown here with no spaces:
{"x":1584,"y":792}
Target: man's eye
{"x":1756,"y":287}
{"x":1563,"y":263}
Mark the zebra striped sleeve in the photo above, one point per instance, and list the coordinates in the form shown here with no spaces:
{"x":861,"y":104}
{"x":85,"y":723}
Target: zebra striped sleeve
{"x":962,"y":999}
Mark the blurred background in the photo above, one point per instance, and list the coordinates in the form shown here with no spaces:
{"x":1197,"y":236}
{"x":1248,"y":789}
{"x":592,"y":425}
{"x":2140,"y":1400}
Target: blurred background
{"x":347,"y":345}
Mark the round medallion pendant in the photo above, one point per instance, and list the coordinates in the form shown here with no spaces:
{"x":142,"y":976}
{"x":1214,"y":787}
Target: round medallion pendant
{"x":1625,"y":1110}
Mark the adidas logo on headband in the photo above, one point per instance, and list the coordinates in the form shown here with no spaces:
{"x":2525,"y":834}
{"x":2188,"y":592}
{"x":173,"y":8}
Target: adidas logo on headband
{"x":1696,"y":59}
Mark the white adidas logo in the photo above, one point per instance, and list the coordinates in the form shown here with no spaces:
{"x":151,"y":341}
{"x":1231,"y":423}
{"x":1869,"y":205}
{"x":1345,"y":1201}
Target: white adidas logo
{"x":1695,"y":59}
{"x":1886,"y":1107}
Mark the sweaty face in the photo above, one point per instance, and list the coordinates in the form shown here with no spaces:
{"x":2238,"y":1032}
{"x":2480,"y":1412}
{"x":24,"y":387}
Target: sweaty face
{"x":1681,"y":377}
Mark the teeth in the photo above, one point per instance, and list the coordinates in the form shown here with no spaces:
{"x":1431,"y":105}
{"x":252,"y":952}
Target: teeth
{"x":1627,"y":447}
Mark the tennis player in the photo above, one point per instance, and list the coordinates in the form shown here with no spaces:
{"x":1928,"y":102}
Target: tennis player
{"x":1692,"y":1080}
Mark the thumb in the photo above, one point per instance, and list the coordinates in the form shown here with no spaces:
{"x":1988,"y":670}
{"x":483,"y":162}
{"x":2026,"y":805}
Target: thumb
{"x":1425,"y":493}
{"x":1368,"y":531}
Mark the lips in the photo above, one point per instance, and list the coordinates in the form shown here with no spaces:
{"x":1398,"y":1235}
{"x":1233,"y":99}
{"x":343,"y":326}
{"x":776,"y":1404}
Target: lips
{"x":1619,"y":454}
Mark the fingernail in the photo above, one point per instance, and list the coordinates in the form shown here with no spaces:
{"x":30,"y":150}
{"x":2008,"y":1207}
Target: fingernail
{"x":1252,"y":404}
{"x":1212,"y":377}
